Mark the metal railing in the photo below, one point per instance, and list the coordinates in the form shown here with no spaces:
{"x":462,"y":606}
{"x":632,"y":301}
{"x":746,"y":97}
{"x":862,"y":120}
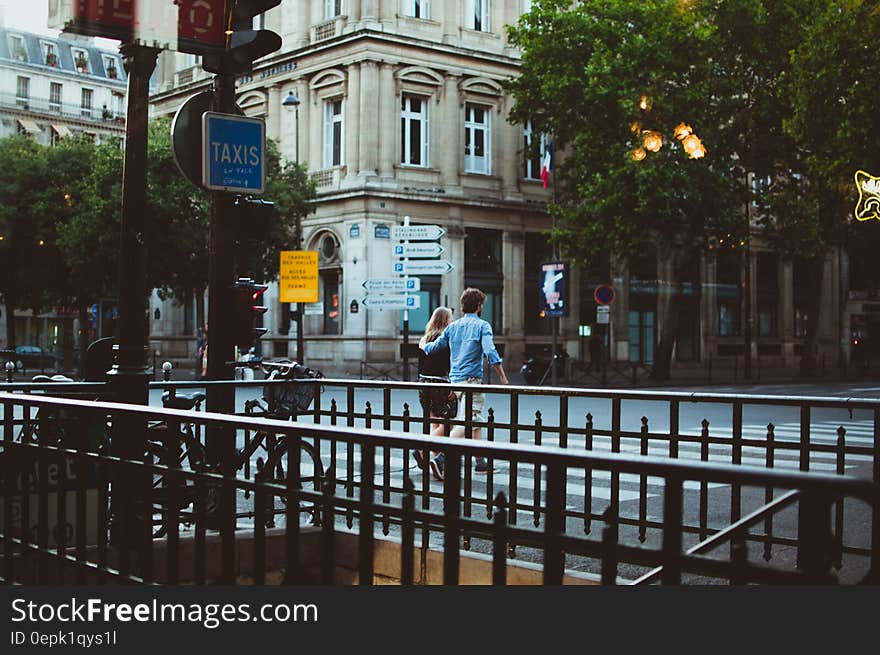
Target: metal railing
{"x":362,"y":488}
{"x":44,"y":105}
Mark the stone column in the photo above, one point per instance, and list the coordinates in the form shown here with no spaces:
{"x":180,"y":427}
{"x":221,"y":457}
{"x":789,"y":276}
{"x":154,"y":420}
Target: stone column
{"x":707,"y":302}
{"x":301,"y":89}
{"x":302,"y":23}
{"x":315,"y":111}
{"x":453,"y":282}
{"x":450,"y":127}
{"x":370,"y":11}
{"x":352,"y":121}
{"x":273,"y":113}
{"x":513,"y":265}
{"x":368,"y":159}
{"x":786,"y":307}
{"x":448,"y":16}
{"x":510,"y":141}
{"x":389,"y":103}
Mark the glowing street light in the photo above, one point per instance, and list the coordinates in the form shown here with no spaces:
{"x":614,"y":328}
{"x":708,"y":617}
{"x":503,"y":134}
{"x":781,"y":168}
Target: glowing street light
{"x":652,"y":141}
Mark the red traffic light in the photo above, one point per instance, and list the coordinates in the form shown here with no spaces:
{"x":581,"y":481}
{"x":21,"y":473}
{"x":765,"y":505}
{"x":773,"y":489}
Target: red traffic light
{"x":245,"y":313}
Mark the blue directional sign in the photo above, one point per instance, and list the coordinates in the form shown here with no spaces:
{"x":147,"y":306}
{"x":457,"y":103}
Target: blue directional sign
{"x":234,"y":156}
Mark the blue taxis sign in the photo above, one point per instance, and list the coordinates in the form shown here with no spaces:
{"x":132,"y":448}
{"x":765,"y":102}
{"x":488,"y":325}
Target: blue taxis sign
{"x":234,"y":155}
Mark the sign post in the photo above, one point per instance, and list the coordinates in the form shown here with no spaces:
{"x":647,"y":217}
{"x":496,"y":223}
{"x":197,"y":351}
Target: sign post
{"x":604,"y":296}
{"x":554,"y":303}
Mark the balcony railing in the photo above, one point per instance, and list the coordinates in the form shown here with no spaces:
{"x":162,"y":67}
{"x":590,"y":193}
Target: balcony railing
{"x":50,"y":107}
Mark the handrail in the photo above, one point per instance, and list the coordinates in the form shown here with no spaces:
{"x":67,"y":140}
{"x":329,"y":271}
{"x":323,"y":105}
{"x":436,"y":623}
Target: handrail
{"x":549,"y":456}
{"x":727,"y":533}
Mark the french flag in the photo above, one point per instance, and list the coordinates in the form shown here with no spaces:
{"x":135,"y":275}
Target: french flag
{"x":547,"y":164}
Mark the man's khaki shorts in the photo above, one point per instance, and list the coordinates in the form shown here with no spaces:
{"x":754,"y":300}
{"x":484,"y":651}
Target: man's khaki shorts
{"x":479,"y":400}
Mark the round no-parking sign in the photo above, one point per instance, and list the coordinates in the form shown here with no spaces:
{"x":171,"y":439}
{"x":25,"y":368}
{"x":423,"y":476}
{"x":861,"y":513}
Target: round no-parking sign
{"x":604,"y":294}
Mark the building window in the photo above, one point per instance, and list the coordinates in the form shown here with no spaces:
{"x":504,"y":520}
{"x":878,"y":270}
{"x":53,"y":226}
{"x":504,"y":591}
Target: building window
{"x":23,"y":91}
{"x":80,"y":60}
{"x":728,"y":293}
{"x":54,"y":96}
{"x":332,"y":8}
{"x":50,"y":57}
{"x":416,"y":8}
{"x":478,"y":15}
{"x":801,"y":292}
{"x":86,"y":104}
{"x":767,"y":293}
{"x":110,"y":67}
{"x":54,"y":136}
{"x":532,"y":153}
{"x":332,"y":318}
{"x":333,"y":130}
{"x":413,"y":131}
{"x":477,"y":144}
{"x":118,"y":106}
{"x":17,"y":48}
{"x":484,"y":270}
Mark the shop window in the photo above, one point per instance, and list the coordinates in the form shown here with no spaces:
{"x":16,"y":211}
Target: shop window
{"x":727,"y":293}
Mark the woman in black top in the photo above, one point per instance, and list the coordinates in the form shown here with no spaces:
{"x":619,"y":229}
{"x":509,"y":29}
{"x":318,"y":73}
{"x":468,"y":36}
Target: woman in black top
{"x":434,"y":368}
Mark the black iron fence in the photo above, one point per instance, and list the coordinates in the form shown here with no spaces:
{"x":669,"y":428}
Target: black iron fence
{"x":671,"y":519}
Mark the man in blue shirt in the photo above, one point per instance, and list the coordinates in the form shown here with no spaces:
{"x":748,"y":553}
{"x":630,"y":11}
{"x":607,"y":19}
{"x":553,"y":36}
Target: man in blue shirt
{"x":469,"y":339}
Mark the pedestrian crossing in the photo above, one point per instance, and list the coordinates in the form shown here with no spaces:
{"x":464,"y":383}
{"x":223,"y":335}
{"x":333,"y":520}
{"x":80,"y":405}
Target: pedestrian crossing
{"x":858,"y":433}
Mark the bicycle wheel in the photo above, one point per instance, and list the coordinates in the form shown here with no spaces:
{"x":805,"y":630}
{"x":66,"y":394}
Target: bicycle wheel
{"x":273,"y":471}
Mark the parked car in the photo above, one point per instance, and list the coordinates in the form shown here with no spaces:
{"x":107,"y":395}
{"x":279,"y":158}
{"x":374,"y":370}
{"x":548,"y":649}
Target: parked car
{"x":35,"y":358}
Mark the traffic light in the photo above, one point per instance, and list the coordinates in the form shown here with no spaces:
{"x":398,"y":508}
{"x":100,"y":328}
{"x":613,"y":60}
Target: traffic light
{"x":243,"y":43}
{"x":245,"y":309}
{"x":252,"y":219}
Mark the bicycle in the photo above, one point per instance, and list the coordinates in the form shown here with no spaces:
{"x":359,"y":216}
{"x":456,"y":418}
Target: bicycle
{"x":180,"y":447}
{"x":284,"y":401}
{"x":176,"y":446}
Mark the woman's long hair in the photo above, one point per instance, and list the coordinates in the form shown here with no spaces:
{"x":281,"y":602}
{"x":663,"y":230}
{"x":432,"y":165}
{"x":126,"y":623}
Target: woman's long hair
{"x":441,"y":317}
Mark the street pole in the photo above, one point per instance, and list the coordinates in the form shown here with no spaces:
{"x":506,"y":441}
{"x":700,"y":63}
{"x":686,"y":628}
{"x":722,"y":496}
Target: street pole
{"x":405,"y":317}
{"x":128,"y":378}
{"x":220,"y":441}
{"x":747,"y":355}
{"x":300,"y":339}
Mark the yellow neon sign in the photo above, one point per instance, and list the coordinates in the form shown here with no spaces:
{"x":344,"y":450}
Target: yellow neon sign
{"x":868,"y":206}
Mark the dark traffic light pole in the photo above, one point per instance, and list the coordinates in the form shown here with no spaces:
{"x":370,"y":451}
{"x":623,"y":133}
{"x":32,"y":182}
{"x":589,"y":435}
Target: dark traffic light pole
{"x":128,"y":378}
{"x":220,"y":442}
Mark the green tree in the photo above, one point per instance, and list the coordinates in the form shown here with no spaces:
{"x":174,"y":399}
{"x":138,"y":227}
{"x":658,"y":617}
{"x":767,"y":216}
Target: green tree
{"x":32,"y":204}
{"x":60,"y":217}
{"x":835,"y":123}
{"x":584,"y":70}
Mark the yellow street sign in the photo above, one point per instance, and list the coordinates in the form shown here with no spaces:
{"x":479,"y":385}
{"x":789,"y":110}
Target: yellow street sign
{"x":299,"y":276}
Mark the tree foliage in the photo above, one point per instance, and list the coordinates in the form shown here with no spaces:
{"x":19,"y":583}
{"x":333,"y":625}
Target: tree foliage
{"x":776,"y":89}
{"x":60,"y":217}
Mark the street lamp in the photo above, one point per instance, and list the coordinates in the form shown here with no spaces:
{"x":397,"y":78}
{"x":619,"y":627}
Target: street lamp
{"x":292,"y":102}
